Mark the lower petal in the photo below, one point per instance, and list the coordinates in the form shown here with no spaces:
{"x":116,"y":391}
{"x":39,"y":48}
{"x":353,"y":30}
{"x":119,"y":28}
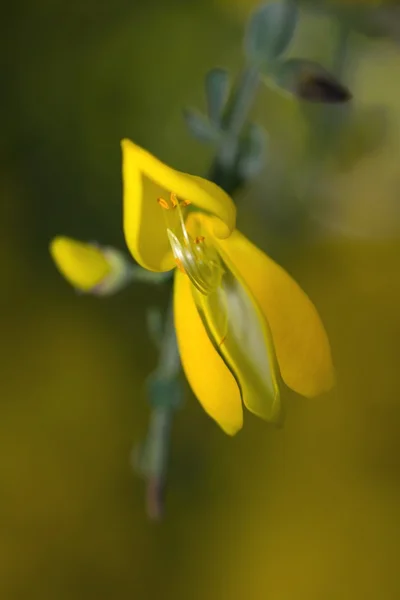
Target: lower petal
{"x":301,"y":344}
{"x":210,"y":379}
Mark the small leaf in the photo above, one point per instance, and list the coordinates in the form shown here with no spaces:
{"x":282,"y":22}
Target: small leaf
{"x":270,"y":30}
{"x":253,"y":150}
{"x":309,"y":81}
{"x":217,"y":88}
{"x":200,"y":127}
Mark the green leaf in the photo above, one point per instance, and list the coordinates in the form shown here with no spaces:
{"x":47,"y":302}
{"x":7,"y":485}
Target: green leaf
{"x":253,"y":151}
{"x":200,"y":127}
{"x":217,"y":88}
{"x":270,"y":30}
{"x":309,"y":81}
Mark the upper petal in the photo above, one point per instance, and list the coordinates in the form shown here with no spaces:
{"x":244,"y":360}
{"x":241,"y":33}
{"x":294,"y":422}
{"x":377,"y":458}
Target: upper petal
{"x":301,"y":343}
{"x":145,"y":178}
{"x":210,"y":379}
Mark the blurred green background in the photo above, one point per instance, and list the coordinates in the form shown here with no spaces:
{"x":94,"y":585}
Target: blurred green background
{"x":307,"y":512}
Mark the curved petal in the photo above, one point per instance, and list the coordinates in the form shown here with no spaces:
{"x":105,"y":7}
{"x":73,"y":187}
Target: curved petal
{"x":83,"y":265}
{"x":208,"y":376}
{"x":301,"y":344}
{"x":145,"y":179}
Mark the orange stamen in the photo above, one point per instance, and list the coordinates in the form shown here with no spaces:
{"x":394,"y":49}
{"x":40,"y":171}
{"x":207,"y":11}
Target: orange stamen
{"x":185,"y":203}
{"x":199,"y":239}
{"x":174,"y":200}
{"x":163,"y":203}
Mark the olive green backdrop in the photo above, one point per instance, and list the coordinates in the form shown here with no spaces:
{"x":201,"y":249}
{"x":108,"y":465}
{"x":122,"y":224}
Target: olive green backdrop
{"x":309,"y":512}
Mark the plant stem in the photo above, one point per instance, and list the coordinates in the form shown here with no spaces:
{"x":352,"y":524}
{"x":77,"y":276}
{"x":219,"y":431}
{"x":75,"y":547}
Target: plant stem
{"x":223,"y":171}
{"x":164,"y":394}
{"x":159,"y":433}
{"x":243,"y":101}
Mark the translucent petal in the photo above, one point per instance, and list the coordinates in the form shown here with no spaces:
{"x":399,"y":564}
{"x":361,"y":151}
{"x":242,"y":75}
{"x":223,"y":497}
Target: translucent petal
{"x":240,"y":334}
{"x":83,"y":265}
{"x":301,"y":343}
{"x":210,"y":379}
{"x":145,"y":179}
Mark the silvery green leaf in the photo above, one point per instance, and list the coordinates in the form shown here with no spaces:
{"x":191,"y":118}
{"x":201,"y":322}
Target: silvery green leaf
{"x":217,"y":88}
{"x":253,"y":152}
{"x":270,"y":30}
{"x":309,"y":81}
{"x":200,"y":127}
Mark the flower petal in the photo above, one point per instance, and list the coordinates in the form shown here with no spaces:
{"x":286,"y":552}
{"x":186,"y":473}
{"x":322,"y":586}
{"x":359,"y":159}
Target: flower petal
{"x":240,"y":334}
{"x":83,"y":265}
{"x":301,"y":344}
{"x":145,"y":178}
{"x":208,"y":376}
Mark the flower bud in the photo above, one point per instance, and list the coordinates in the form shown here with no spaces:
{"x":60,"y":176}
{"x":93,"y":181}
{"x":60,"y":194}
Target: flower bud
{"x":90,"y":268}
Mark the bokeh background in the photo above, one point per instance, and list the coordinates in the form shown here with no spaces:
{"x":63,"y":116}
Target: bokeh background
{"x":307,"y":512}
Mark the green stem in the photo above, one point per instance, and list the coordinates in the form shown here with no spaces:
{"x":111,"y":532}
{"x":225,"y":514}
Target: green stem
{"x":169,"y":361}
{"x":242,"y":101}
{"x":223,"y":171}
{"x":158,"y":453}
{"x":164,"y":391}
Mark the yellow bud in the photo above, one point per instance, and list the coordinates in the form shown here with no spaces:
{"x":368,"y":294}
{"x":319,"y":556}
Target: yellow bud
{"x":83,"y":265}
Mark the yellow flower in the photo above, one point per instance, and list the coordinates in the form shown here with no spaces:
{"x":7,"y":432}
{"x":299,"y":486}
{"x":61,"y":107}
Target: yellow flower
{"x":89,"y":268}
{"x":242,"y":322}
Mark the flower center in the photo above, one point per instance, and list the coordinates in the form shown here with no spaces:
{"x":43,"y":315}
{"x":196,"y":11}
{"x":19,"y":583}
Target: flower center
{"x":193,"y":256}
